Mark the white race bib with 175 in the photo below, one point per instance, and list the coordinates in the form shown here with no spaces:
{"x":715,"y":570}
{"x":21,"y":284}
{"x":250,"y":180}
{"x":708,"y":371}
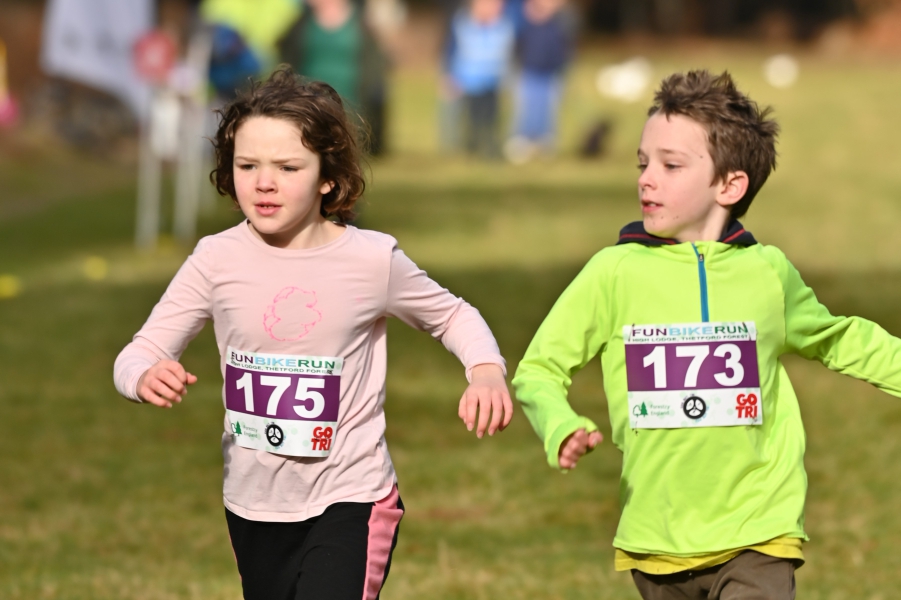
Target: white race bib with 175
{"x":283,"y":403}
{"x":692,"y":375}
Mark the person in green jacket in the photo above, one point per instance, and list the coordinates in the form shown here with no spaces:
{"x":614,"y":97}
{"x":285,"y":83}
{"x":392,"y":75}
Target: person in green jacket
{"x":690,"y":316}
{"x":332,"y":42}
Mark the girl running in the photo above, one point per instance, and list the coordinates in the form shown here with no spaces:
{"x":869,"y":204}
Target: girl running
{"x":299,"y":300}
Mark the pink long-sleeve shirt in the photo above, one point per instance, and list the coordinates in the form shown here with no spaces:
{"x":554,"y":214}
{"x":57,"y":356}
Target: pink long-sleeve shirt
{"x":294,"y":307}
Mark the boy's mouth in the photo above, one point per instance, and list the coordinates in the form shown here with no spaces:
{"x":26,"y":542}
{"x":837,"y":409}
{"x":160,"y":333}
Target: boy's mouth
{"x":649,"y":206}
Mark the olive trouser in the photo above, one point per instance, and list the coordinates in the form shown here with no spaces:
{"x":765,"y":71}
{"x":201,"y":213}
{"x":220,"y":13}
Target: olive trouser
{"x":748,"y":576}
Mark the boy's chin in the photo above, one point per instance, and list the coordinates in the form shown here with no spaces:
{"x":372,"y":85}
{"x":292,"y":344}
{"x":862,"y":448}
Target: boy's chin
{"x":654,"y":228}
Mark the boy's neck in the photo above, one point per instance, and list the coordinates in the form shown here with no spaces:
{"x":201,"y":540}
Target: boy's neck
{"x":701,"y":237}
{"x":635,"y":232}
{"x":708,"y":232}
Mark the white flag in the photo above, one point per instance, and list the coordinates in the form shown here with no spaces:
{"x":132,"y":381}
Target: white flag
{"x":92,"y":42}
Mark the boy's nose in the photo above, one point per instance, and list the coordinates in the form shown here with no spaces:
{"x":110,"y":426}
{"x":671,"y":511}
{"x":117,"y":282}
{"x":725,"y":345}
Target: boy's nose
{"x":646,"y":180}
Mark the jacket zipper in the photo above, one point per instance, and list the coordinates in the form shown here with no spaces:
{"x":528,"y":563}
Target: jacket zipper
{"x":702,"y":276}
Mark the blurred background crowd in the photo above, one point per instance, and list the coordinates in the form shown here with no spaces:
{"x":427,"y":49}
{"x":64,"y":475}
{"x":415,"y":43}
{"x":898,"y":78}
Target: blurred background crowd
{"x":141,"y":78}
{"x":95,"y":71}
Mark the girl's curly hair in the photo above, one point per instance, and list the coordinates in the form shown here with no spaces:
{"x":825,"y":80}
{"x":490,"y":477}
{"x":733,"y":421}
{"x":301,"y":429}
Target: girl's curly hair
{"x":317,"y":111}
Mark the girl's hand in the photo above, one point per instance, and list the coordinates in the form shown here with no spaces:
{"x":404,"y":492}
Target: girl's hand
{"x":576,"y":445}
{"x":486,"y":394}
{"x":164,"y":383}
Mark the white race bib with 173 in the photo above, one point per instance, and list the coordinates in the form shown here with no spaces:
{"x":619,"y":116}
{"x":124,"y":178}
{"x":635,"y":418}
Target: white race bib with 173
{"x":692,"y":375}
{"x":283,"y":403}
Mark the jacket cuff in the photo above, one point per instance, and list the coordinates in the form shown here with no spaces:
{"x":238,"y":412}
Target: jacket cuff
{"x":563,"y":431}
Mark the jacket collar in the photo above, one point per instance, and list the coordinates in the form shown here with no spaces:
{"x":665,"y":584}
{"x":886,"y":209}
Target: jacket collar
{"x":634,"y":233}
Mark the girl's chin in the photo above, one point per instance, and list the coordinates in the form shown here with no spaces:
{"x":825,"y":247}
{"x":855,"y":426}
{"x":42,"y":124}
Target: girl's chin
{"x":264,"y":228}
{"x":267,"y":229}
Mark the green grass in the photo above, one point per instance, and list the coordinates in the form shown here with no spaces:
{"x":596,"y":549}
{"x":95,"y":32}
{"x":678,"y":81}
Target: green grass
{"x":101,"y":499}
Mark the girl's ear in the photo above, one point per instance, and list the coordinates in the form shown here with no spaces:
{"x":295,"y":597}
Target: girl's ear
{"x":326,"y":187}
{"x":732,"y":188}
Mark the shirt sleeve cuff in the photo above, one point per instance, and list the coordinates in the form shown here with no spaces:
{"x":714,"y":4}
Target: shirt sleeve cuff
{"x":496,"y":359}
{"x":563,"y":431}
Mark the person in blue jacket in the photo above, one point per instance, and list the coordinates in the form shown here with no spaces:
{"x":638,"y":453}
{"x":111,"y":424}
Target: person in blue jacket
{"x":477,"y":57}
{"x":544,"y":48}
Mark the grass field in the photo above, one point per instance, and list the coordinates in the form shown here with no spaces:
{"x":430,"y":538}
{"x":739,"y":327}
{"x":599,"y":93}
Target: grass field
{"x":101,"y":499}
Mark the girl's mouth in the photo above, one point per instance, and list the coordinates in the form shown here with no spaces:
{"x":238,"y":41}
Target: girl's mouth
{"x":266,"y":209}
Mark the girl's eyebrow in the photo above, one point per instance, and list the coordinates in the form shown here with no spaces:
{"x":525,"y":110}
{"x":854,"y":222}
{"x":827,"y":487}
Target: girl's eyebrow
{"x":278,"y":161}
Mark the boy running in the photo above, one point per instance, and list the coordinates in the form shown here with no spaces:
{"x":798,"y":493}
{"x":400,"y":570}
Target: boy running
{"x":690,"y":316}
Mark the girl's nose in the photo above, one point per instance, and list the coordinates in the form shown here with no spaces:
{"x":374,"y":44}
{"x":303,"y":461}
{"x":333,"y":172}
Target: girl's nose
{"x":265,"y":181}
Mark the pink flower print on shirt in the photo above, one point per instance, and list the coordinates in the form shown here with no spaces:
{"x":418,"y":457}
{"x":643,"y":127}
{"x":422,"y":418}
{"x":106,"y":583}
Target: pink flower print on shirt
{"x":291,"y":315}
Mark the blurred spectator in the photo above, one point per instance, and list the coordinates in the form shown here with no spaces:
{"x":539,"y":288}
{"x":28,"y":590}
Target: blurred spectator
{"x":9,"y":110}
{"x":332,"y":43}
{"x":244,"y":37}
{"x":449,"y":102}
{"x":232,"y":63}
{"x":259,"y":23}
{"x":479,"y":48}
{"x":544,"y":47}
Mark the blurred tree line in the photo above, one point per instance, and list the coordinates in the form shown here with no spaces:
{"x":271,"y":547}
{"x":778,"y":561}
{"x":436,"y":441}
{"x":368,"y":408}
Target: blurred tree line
{"x":798,"y":18}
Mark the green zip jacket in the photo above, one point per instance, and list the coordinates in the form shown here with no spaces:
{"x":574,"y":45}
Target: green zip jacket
{"x":689,"y":490}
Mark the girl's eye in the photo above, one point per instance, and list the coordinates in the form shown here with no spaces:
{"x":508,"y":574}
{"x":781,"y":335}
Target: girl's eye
{"x":245,"y":167}
{"x":642,"y":167}
{"x":671,"y":166}
{"x":289,"y":169}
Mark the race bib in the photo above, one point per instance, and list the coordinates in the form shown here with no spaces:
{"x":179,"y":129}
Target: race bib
{"x":692,"y":375}
{"x":282,"y":403}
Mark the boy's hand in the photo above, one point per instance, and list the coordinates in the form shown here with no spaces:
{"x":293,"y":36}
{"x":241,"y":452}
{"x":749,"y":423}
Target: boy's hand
{"x":487,"y":393}
{"x":576,"y":445}
{"x":164,"y":383}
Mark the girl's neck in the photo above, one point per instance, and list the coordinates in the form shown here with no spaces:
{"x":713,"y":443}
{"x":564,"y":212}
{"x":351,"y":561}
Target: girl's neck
{"x":312,"y":235}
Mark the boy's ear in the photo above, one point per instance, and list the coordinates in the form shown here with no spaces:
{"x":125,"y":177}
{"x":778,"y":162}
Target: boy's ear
{"x":326,"y":187}
{"x":732,"y":188}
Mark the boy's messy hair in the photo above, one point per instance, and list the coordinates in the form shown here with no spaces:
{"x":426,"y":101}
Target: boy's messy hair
{"x":740,"y":136}
{"x":315,"y":108}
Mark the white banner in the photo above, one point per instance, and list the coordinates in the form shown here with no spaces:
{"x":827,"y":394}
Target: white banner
{"x":92,"y":42}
